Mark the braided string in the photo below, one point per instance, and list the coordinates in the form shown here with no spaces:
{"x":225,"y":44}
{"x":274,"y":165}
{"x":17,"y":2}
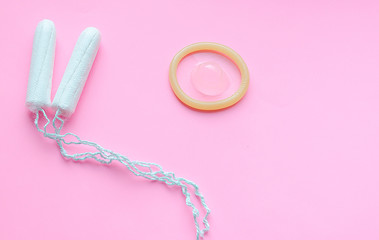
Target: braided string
{"x":151,"y":171}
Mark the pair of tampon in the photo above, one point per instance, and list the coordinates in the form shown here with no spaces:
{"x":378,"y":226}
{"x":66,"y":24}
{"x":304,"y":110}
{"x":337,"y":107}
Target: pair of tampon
{"x":75,"y":75}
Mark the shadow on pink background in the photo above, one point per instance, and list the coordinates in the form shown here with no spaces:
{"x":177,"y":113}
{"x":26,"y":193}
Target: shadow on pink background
{"x":296,"y":159}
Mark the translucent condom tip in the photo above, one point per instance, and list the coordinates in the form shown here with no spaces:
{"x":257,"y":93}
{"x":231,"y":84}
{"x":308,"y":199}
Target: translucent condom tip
{"x":209,"y":79}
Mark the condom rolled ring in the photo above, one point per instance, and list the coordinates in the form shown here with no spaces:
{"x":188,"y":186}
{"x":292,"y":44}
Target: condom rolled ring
{"x":218,"y":48}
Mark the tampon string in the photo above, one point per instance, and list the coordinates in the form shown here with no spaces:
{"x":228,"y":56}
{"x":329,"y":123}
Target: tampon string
{"x":151,"y":171}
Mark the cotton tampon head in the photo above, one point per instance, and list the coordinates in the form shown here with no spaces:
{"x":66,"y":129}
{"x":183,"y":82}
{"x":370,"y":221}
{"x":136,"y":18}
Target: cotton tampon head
{"x":41,"y":67}
{"x":77,"y":70}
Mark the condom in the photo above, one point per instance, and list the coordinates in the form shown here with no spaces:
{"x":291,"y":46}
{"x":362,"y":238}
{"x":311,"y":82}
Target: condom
{"x":65,"y":102}
{"x":209,"y":78}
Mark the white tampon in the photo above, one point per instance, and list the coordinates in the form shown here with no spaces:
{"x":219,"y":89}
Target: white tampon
{"x":41,"y":66}
{"x":77,"y":71}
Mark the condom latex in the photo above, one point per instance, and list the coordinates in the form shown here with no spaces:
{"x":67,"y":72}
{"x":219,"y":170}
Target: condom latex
{"x":209,"y":78}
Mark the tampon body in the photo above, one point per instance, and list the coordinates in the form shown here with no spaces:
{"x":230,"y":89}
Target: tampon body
{"x":41,"y":66}
{"x":77,"y":70}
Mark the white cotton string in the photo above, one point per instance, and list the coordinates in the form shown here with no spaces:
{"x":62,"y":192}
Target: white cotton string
{"x":151,"y":171}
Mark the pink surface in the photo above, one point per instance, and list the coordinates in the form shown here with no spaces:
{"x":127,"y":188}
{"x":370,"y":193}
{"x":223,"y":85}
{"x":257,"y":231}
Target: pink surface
{"x":296,"y":159}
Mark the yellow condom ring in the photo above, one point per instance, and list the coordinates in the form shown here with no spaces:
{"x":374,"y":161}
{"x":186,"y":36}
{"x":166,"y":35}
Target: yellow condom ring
{"x":215,"y":47}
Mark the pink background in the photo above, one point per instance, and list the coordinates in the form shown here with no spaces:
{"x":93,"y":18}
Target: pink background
{"x":296,"y":159}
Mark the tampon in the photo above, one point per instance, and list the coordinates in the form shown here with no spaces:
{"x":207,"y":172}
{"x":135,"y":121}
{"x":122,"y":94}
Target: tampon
{"x":77,"y":70}
{"x":41,"y":66}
